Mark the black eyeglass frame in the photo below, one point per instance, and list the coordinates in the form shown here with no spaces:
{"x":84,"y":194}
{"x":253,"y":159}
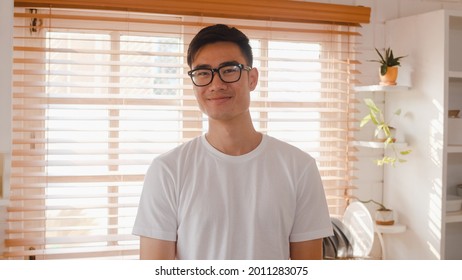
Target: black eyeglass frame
{"x":217,"y":70}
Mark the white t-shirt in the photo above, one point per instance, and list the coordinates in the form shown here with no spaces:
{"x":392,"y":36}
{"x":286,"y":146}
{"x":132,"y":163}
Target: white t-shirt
{"x":217,"y":206}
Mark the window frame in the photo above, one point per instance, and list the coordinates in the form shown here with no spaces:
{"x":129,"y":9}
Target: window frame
{"x":191,"y":129}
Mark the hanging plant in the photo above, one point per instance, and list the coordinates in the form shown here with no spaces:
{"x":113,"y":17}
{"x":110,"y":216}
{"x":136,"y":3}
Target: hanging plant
{"x":376,"y":117}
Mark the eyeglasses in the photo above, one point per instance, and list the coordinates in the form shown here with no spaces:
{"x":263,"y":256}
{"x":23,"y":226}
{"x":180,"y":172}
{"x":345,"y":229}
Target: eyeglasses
{"x":229,"y":73}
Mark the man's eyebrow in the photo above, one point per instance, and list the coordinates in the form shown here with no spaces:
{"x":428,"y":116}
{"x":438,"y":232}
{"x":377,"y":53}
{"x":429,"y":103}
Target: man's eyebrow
{"x":208,"y":66}
{"x":232,"y":62}
{"x":202,"y":66}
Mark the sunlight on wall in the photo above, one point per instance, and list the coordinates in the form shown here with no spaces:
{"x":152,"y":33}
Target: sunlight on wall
{"x":436,"y":137}
{"x":435,"y":220}
{"x":436,"y":145}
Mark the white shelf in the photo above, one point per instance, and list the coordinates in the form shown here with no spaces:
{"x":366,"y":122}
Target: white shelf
{"x":396,"y":228}
{"x":373,"y":88}
{"x":455,"y":74}
{"x":454,"y":149}
{"x":378,"y":145}
{"x":454,"y":217}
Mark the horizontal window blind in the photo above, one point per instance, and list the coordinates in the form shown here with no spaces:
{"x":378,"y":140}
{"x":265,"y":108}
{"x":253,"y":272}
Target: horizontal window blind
{"x":98,"y":94}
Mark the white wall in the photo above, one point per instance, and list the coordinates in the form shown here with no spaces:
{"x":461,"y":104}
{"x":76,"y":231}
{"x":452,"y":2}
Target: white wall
{"x":415,"y":189}
{"x":373,"y":36}
{"x":415,"y":243}
{"x":6,"y":18}
{"x":6,"y":23}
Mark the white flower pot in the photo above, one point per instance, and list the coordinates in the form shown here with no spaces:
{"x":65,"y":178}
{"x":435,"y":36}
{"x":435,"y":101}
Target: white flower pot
{"x":380,"y":135}
{"x":385,"y":217}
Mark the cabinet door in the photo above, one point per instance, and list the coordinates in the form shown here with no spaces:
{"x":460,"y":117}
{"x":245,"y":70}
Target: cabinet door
{"x":415,"y":189}
{"x":453,"y":220}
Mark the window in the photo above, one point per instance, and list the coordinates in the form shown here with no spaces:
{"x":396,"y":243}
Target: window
{"x":99,"y":94}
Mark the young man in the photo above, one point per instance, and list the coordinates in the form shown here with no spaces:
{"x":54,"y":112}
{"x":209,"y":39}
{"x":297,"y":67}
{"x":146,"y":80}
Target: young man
{"x":232,"y":193}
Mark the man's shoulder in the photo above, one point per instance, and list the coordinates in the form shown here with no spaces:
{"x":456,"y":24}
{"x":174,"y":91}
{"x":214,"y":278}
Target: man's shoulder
{"x":181,"y":150}
{"x":274,"y":143}
{"x":287,"y":150}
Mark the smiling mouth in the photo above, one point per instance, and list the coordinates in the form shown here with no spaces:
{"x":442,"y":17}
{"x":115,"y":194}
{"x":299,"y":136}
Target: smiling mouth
{"x":223,"y":98}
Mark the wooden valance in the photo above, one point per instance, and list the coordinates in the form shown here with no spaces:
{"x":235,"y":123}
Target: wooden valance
{"x":275,"y":10}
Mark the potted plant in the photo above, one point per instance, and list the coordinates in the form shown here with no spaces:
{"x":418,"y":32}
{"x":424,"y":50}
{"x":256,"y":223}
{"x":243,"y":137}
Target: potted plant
{"x":383,"y":215}
{"x":384,"y":133}
{"x":388,"y":66}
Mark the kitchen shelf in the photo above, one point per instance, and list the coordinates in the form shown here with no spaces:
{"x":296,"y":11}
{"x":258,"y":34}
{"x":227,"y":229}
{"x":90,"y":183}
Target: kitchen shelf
{"x":455,"y":74}
{"x":454,"y":149}
{"x":396,"y":228}
{"x":378,"y":145}
{"x":454,"y":217}
{"x":372,"y":88}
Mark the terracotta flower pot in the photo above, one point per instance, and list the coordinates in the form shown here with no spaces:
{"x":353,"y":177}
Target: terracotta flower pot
{"x":389,"y":79}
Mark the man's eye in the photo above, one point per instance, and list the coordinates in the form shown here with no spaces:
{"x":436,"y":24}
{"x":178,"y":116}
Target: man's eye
{"x":202,"y":73}
{"x":230,"y":70}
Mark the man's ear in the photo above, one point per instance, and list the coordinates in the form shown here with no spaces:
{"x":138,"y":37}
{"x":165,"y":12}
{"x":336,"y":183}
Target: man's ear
{"x":253,"y":78}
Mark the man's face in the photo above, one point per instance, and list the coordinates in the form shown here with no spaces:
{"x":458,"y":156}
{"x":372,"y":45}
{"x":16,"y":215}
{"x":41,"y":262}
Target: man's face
{"x":219,"y":100}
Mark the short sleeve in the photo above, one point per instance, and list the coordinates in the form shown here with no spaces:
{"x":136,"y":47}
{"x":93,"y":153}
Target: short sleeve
{"x":157,"y":210}
{"x":312,"y":219}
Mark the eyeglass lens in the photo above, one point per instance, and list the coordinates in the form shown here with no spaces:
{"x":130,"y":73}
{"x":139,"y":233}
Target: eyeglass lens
{"x":227,"y":73}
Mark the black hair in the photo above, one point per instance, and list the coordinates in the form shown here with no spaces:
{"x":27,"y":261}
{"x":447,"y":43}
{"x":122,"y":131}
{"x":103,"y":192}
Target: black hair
{"x":220,"y":33}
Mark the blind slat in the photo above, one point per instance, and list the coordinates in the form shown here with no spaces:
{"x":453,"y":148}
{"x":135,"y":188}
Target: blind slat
{"x":105,"y":252}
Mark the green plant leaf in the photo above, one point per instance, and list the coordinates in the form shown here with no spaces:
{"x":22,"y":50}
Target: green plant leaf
{"x":388,"y":59}
{"x":406,"y":152}
{"x":371,"y":105}
{"x":389,"y":140}
{"x":365,"y":120}
{"x":389,"y":52}
{"x":386,"y":129}
{"x":383,"y":69}
{"x":386,"y":160}
{"x":374,"y":118}
{"x":382,"y":60}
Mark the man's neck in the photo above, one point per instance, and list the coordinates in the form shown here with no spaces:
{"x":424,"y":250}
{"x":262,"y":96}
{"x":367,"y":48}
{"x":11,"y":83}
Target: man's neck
{"x":233,"y":140}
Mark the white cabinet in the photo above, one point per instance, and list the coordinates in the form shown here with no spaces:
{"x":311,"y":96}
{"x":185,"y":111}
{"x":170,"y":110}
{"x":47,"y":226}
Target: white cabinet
{"x":418,"y":189}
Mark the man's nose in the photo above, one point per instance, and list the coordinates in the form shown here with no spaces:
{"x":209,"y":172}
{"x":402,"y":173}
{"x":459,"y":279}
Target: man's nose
{"x":216,"y":79}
